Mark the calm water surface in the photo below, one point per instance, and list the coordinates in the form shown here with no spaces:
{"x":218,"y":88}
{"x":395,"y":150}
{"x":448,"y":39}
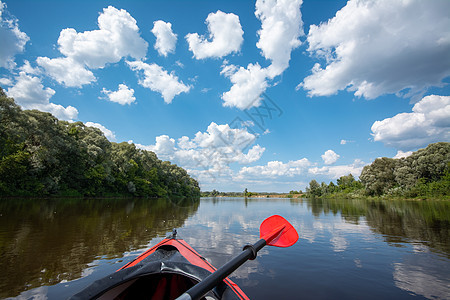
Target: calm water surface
{"x":348,"y":249}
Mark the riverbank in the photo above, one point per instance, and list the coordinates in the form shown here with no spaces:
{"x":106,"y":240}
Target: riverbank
{"x":256,"y":195}
{"x":359,"y":194}
{"x":278,"y":196}
{"x":340,"y":195}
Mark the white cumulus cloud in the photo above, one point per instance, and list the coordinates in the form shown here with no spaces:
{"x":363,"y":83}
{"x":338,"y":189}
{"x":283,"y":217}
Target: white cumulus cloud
{"x":330,"y":157}
{"x":159,"y":80}
{"x":428,"y":122}
{"x":335,"y":172}
{"x":211,"y":151}
{"x":248,"y":85}
{"x":276,"y":168}
{"x":5,"y":81}
{"x":225,"y":36}
{"x":401,"y":154}
{"x":378,"y":47}
{"x":164,"y":147}
{"x":108,"y":133}
{"x":57,"y":69}
{"x":118,"y":36}
{"x":165,"y":38}
{"x":12,"y":39}
{"x":281,"y":27}
{"x":29,"y":93}
{"x":27,"y":68}
{"x":123,"y":95}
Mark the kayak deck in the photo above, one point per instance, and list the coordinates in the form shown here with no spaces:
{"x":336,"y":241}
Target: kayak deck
{"x":165,"y":271}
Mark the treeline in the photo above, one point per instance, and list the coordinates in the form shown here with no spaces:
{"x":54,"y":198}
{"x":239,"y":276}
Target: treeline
{"x":41,"y":155}
{"x":246,"y":193}
{"x":424,"y":174}
{"x":215,"y":193}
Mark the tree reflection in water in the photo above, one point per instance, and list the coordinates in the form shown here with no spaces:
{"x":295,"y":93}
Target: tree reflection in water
{"x":349,"y":249}
{"x":426,"y":222}
{"x":44,"y":242}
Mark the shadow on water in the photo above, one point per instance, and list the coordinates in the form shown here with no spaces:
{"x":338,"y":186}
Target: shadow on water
{"x":46,"y":241}
{"x":398,"y":221}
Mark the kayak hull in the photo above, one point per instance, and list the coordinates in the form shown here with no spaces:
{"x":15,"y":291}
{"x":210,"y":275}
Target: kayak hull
{"x":165,"y":271}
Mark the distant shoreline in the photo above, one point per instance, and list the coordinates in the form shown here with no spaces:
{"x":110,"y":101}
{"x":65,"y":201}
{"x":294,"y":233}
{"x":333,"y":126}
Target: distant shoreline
{"x":284,"y":195}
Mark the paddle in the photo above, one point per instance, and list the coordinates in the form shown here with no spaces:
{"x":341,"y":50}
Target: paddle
{"x":274,"y":231}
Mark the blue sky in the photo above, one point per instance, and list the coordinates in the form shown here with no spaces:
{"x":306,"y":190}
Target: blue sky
{"x":263,"y":95}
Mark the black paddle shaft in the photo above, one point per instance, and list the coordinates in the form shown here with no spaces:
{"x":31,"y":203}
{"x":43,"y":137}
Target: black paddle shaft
{"x":198,"y":290}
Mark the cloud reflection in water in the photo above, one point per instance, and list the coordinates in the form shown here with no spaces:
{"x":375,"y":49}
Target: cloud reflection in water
{"x":420,"y":274}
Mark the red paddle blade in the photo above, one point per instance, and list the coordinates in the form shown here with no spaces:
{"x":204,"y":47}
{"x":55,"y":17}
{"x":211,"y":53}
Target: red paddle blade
{"x":278,"y":232}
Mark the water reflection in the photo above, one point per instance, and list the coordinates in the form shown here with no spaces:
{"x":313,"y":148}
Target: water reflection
{"x":349,"y":249}
{"x":417,"y":226}
{"x":44,"y":242}
{"x":399,"y":222}
{"x":219,"y":233}
{"x":419,"y":274}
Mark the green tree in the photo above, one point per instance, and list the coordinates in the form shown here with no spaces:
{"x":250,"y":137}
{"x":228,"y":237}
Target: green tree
{"x":431,"y":163}
{"x":332,"y":187}
{"x":378,"y":178}
{"x":345,"y":182}
{"x":323,"y":188}
{"x":404,"y":174}
{"x":314,"y":189}
{"x":41,"y":155}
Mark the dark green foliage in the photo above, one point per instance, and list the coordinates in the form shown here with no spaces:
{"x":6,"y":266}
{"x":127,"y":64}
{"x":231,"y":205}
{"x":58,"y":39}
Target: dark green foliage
{"x":215,"y":193}
{"x":379,"y":178}
{"x":41,"y":155}
{"x":248,"y":194}
{"x":345,"y":185}
{"x":424,"y":174}
{"x":421,"y":174}
{"x":314,"y":189}
{"x":426,"y":188}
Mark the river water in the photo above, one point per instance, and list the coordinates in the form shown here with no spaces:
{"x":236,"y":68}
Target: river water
{"x":348,"y":249}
